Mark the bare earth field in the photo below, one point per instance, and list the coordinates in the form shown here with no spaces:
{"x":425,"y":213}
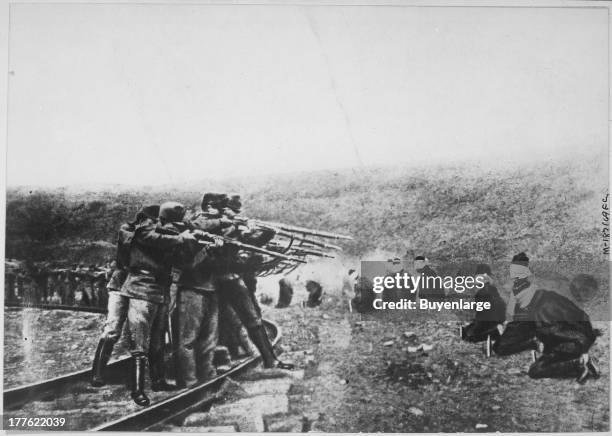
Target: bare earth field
{"x":43,"y":344}
{"x":347,"y":384}
{"x":450,"y":388}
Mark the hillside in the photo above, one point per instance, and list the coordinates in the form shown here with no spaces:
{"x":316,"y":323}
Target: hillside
{"x":449,"y":213}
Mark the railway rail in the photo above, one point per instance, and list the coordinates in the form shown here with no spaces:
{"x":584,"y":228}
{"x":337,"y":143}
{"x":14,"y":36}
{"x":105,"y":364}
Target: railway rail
{"x":109,"y":408}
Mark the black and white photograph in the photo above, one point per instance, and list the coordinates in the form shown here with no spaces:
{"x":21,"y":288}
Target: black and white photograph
{"x":306,"y":216}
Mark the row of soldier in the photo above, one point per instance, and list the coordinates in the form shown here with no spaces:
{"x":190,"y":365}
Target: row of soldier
{"x":186,"y":276}
{"x":79,"y":286}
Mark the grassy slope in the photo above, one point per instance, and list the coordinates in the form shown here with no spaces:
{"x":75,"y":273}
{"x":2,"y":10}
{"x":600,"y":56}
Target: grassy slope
{"x":550,"y":210}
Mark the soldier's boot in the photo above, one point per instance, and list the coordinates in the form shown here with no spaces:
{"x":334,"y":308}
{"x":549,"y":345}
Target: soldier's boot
{"x":208,"y":371}
{"x":138,"y":394}
{"x":546,"y":368}
{"x":157,"y":373}
{"x":101,"y":358}
{"x":221,"y":359}
{"x":260,"y":338}
{"x":244,"y":342}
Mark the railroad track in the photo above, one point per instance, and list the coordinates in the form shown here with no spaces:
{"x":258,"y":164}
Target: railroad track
{"x":110,"y":408}
{"x":19,"y":306}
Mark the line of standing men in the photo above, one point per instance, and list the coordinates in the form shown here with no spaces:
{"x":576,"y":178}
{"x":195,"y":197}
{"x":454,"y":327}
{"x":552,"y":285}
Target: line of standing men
{"x":158,"y":250}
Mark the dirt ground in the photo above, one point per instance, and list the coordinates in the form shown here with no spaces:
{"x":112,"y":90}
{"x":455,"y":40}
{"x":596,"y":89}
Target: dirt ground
{"x":43,"y":344}
{"x":452,"y":387}
{"x":347,"y":386}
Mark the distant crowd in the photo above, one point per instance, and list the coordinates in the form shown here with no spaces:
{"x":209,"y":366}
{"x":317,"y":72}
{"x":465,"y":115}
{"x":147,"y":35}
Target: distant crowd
{"x":79,"y":285}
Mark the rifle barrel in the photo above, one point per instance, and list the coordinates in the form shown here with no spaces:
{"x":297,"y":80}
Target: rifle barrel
{"x":296,"y":229}
{"x":310,"y":241}
{"x":260,"y":250}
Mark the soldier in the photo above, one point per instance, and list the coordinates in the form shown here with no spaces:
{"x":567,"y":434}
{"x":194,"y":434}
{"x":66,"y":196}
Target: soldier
{"x":39,"y":276}
{"x":147,"y":287}
{"x":230,"y":285}
{"x":563,"y":329}
{"x":248,"y":261}
{"x":117,"y":302}
{"x":68,"y":287}
{"x":100,"y":290}
{"x":486,"y":322}
{"x":197,"y":312}
{"x":9,"y":287}
{"x":52,"y":286}
{"x":89,"y":285}
{"x":232,"y":334}
{"x":80,"y":297}
{"x":235,"y":335}
{"x":55,"y":298}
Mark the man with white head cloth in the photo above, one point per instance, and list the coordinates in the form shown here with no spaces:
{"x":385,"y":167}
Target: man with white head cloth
{"x":564,"y":330}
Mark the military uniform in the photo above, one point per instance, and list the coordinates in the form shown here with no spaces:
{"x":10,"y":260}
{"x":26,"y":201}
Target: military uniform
{"x":9,"y":287}
{"x":147,"y":286}
{"x":197,"y":314}
{"x":118,"y":303}
{"x":232,"y":334}
{"x":234,"y":291}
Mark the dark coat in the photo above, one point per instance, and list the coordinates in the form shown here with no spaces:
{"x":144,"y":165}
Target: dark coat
{"x":149,"y":268}
{"x":560,"y":325}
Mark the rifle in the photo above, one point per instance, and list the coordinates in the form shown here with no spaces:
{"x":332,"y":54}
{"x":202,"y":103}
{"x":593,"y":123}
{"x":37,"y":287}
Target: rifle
{"x":305,"y":251}
{"x":300,"y":250}
{"x":293,"y":229}
{"x":256,"y":249}
{"x":310,"y":242}
{"x":208,"y":239}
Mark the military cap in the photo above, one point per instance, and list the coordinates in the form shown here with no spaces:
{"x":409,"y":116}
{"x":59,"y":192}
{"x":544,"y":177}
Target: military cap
{"x":213,"y":199}
{"x":220,"y":201}
{"x":151,"y":211}
{"x":234,"y":202}
{"x":148,"y":211}
{"x":172,"y":211}
{"x":208,"y":198}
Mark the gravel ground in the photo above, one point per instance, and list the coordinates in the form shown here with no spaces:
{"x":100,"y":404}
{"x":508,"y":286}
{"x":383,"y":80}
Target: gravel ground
{"x":452,"y":387}
{"x":41,"y":344}
{"x":347,"y":386}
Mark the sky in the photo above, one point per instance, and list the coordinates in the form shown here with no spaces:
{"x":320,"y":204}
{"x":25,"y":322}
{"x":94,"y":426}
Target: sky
{"x":157,"y":94}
